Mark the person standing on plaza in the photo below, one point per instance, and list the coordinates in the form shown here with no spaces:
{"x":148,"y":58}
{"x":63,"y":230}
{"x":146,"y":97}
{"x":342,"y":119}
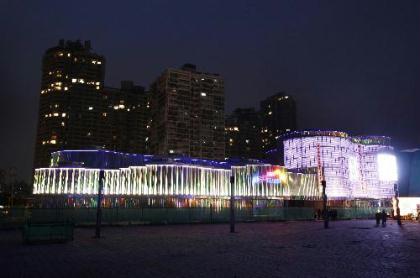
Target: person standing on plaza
{"x":383,"y":218}
{"x":378,"y":218}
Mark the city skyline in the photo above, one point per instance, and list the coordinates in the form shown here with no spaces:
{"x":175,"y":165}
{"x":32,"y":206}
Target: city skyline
{"x":371,"y":68}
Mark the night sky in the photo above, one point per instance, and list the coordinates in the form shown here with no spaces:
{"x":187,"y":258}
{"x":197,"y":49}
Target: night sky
{"x":351,"y":65}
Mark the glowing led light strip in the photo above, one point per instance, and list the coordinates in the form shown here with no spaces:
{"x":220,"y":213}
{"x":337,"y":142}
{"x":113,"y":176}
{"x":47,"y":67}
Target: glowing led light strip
{"x":174,"y":180}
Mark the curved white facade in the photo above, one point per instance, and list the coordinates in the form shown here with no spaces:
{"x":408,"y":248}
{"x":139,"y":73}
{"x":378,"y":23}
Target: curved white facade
{"x":352,"y":167}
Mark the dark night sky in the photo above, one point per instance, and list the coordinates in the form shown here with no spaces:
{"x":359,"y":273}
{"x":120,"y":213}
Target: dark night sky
{"x":351,"y":65}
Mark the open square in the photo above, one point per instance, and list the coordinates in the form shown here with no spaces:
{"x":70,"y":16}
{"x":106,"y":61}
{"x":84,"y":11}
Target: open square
{"x":272,"y":249}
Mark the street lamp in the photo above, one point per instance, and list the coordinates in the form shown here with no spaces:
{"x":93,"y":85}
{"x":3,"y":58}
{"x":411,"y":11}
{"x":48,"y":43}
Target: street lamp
{"x":397,"y":195}
{"x":232,"y":204}
{"x":324,"y":198}
{"x":98,"y":205}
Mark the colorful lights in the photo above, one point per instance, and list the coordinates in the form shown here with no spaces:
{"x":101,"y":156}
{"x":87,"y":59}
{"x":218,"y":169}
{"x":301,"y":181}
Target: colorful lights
{"x":178,"y":180}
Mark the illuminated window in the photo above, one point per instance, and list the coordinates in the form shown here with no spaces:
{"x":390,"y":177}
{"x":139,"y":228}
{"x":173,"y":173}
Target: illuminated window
{"x":55,"y":114}
{"x":270,"y":112}
{"x":203,"y":94}
{"x":104,"y":114}
{"x":122,"y":106}
{"x":53,"y":142}
{"x":68,"y":54}
{"x":97,"y":87}
{"x":89,"y":134}
{"x":90,"y":108}
{"x":66,"y":88}
{"x":73,"y":80}
{"x":81,"y":81}
{"x":63,"y":115}
{"x":171,"y":151}
{"x":98,"y":62}
{"x":63,"y":124}
{"x":116,"y":107}
{"x":247,"y":141}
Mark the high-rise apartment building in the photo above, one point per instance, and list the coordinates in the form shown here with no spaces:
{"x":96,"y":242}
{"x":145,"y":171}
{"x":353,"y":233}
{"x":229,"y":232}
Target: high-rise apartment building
{"x":278,"y":115}
{"x":242,"y":134}
{"x":71,"y":102}
{"x":187,"y":109}
{"x":128,"y":114}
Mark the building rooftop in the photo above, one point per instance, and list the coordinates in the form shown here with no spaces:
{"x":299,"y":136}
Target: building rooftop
{"x":114,"y":160}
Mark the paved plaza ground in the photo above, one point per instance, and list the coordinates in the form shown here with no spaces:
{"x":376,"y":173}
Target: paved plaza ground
{"x":283,"y":249}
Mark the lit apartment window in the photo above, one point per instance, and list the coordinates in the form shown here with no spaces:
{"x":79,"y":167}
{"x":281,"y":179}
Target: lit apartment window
{"x":63,"y":124}
{"x":270,"y":112}
{"x":90,"y":107}
{"x":171,"y":151}
{"x":121,"y":106}
{"x":81,"y":81}
{"x":53,"y":142}
{"x":98,"y":62}
{"x":66,"y":88}
{"x":63,"y":115}
{"x":247,"y":141}
{"x":55,"y":114}
{"x":73,"y":80}
{"x":104,"y":114}
{"x":97,"y":87}
{"x":68,"y":54}
{"x":203,"y":94}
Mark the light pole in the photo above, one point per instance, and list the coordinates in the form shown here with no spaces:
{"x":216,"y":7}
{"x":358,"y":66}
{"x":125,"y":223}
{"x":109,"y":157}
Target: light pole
{"x":324,"y":198}
{"x":232,"y":204}
{"x":397,"y":195}
{"x":98,"y":205}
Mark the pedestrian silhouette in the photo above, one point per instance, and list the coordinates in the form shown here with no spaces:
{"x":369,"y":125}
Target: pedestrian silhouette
{"x":383,"y":218}
{"x":378,"y":218}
